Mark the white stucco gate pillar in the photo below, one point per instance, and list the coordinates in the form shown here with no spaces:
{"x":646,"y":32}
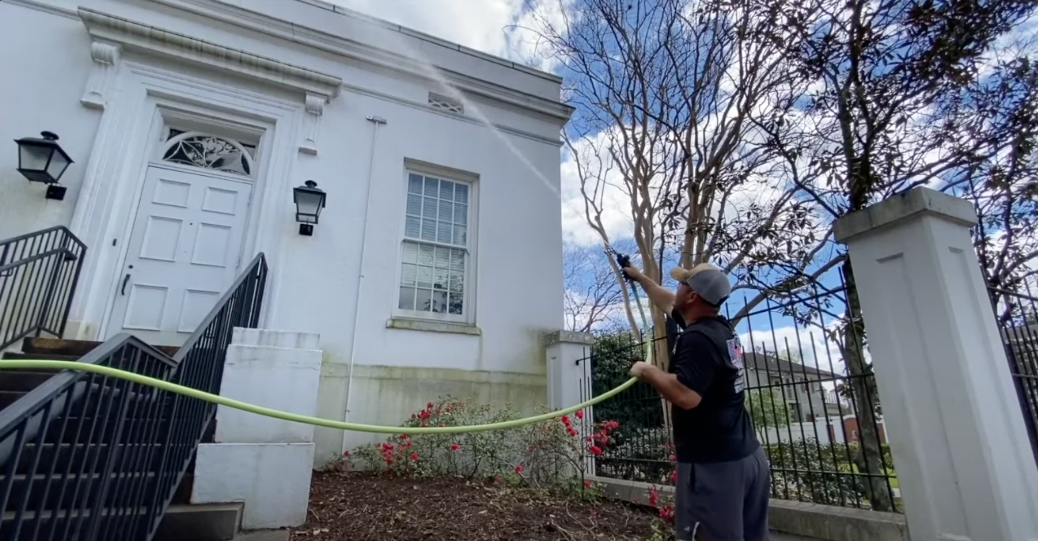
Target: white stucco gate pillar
{"x":960,"y":447}
{"x":261,"y":461}
{"x":569,"y":378}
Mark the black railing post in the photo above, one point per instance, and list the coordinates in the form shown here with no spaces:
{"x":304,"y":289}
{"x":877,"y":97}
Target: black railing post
{"x":45,"y":308}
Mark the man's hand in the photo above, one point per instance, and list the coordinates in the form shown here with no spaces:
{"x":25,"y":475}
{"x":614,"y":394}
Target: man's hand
{"x":667,"y":385}
{"x":639,"y":369}
{"x":632,"y":272}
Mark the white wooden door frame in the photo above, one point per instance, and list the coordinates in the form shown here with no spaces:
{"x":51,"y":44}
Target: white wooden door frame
{"x":144,"y":99}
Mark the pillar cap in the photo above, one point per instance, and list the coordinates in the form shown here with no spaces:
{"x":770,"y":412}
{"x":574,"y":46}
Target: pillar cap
{"x":568,"y":337}
{"x":914,"y":203}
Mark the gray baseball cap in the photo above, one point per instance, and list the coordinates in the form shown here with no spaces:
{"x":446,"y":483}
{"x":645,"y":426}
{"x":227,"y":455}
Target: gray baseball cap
{"x":707,"y":280}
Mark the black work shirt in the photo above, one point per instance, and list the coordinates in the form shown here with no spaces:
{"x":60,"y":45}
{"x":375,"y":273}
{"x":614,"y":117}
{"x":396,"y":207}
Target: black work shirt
{"x":707,"y":358}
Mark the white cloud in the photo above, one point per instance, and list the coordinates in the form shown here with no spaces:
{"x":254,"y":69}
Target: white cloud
{"x":592,"y":153}
{"x":810,"y":344}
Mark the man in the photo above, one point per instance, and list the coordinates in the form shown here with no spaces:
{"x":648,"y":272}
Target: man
{"x":723,"y":478}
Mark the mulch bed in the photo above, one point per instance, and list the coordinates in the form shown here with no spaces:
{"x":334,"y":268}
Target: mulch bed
{"x":360,"y":507}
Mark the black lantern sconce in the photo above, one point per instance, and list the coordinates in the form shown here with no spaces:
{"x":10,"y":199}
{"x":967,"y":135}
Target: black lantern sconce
{"x":309,"y":202}
{"x":43,"y":160}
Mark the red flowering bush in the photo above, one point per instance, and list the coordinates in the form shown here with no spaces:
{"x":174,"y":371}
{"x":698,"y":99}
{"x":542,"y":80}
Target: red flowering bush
{"x":553,"y":455}
{"x":664,"y":504}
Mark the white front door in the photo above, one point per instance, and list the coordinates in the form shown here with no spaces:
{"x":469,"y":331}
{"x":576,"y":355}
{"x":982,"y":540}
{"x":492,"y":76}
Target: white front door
{"x":184,"y":252}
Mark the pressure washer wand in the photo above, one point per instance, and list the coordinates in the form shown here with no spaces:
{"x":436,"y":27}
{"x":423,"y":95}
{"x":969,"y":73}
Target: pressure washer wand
{"x":624,"y":262}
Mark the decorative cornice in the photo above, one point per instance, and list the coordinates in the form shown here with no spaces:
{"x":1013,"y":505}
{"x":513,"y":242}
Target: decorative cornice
{"x":131,"y":35}
{"x":258,"y":22}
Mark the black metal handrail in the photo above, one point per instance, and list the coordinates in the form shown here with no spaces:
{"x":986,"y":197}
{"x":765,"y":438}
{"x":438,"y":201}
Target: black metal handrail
{"x":38,"y":276}
{"x":90,"y":457}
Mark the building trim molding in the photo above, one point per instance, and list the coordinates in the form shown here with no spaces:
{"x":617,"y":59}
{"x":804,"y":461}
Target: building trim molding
{"x":131,"y":35}
{"x":45,"y":8}
{"x":557,"y":142}
{"x":258,"y":22}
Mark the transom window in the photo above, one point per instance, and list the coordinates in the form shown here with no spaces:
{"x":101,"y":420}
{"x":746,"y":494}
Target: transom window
{"x":209,"y":152}
{"x":435,"y":251}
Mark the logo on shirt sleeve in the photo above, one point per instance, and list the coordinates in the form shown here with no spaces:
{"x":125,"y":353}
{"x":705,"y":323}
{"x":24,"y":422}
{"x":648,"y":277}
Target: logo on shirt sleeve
{"x":735,"y":356}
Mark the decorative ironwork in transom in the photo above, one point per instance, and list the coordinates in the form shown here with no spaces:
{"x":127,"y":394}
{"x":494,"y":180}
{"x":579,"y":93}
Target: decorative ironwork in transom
{"x":209,"y":152}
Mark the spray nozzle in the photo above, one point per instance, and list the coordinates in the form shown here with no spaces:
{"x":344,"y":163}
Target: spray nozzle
{"x":624,"y":261}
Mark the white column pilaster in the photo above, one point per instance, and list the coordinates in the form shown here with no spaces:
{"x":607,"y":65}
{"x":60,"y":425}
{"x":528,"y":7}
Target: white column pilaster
{"x":963,"y":459}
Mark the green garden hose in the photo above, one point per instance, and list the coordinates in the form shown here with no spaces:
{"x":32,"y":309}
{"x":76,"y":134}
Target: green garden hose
{"x":296,"y":418}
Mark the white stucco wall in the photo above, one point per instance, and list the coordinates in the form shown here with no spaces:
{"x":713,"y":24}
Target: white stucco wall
{"x":314,"y":280}
{"x":38,"y":95}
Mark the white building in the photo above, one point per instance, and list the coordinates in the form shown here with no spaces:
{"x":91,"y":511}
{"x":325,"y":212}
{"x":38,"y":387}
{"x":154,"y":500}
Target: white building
{"x":191,"y":121}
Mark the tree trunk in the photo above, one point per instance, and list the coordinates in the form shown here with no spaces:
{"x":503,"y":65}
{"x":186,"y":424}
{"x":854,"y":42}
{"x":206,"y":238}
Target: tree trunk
{"x":869,"y":458}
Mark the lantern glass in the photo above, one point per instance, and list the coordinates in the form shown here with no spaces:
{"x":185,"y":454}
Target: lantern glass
{"x":33,"y":157}
{"x":57,"y":166}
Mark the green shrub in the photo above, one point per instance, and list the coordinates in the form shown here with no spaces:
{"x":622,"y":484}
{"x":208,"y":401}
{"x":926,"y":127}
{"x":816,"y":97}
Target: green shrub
{"x":550,"y":456}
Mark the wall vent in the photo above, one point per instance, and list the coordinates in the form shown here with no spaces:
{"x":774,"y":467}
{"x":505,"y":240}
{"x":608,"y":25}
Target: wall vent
{"x":444,"y":103}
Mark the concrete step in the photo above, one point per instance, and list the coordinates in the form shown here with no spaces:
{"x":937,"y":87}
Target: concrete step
{"x":12,"y":355}
{"x":73,"y":348}
{"x":58,"y":346}
{"x":264,"y":535}
{"x":22,"y":380}
{"x":210,"y":522}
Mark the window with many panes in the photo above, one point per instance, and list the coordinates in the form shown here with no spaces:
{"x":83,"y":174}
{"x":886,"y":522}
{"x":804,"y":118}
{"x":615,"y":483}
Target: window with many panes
{"x":435,"y":251}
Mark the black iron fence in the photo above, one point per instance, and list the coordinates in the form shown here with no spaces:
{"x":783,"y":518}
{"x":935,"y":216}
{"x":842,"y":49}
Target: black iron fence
{"x":811,"y":395}
{"x":1017,"y":318}
{"x":38,"y":276}
{"x":91,"y":457}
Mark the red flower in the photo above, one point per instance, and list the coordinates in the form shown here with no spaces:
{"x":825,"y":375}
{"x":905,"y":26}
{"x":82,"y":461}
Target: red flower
{"x":571,"y":432}
{"x":497,"y":479}
{"x":519,"y":468}
{"x":595,"y":450}
{"x":346,"y":453}
{"x":455,"y":447}
{"x":437,"y":411}
{"x":667,"y":513}
{"x":414,"y":457}
{"x":424,"y":415}
{"x":654,"y":496}
{"x":429,"y":405}
{"x":579,"y":414}
{"x":674,"y":476}
{"x":565,"y":420}
{"x":672,"y":458}
{"x":587,"y":483}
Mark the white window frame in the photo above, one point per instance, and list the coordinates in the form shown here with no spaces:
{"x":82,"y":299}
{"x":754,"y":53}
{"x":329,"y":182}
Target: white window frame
{"x":468,"y":315}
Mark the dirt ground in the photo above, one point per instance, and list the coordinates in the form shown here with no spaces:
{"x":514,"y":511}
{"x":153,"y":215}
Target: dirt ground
{"x":362,"y":508}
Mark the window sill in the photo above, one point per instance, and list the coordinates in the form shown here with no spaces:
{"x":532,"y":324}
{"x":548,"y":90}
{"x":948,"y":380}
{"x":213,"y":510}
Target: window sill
{"x":433,"y":326}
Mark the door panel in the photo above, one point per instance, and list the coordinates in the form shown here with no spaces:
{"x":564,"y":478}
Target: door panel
{"x":184,"y":251}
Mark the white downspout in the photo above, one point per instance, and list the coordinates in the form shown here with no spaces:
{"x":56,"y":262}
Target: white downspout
{"x":376,"y":121}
